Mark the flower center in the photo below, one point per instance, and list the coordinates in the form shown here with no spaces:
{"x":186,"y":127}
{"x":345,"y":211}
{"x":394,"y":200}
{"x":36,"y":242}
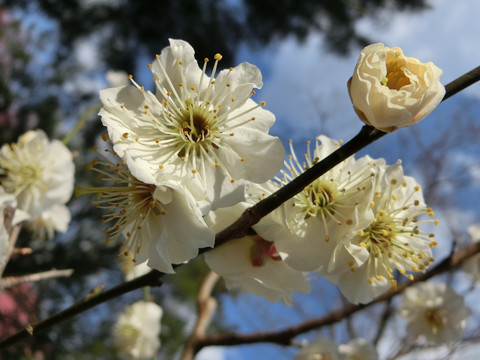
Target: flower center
{"x":380,"y":235}
{"x":396,"y":78}
{"x":318,"y":199}
{"x":434,"y":317}
{"x":19,"y":176}
{"x":198,"y":129}
{"x":393,"y":238}
{"x":261,"y":251}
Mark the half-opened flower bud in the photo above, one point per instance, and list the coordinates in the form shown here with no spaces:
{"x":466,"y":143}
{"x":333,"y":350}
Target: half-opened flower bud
{"x":389,"y":90}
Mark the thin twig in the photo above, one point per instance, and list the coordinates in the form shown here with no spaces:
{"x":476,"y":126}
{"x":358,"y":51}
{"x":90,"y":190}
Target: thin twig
{"x":81,"y":122}
{"x":10,"y":281}
{"x":206,"y":306}
{"x":286,"y":336}
{"x":153,"y":278}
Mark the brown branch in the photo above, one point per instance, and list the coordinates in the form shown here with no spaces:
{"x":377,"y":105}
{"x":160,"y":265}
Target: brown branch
{"x":252,"y":215}
{"x":286,"y":336}
{"x":153,"y":278}
{"x":10,"y":281}
{"x":206,"y":306}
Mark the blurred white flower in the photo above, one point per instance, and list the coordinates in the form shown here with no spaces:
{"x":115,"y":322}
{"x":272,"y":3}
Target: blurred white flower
{"x":117,"y":78}
{"x":434,"y":311}
{"x":130,"y":268}
{"x":137,"y":330}
{"x":389,"y":90}
{"x":319,"y":349}
{"x":161,"y":224}
{"x":393,"y":239}
{"x":472,"y":265}
{"x":206,"y":130}
{"x":252,"y":264}
{"x":39,"y":172}
{"x":358,"y":349}
{"x":55,"y":218}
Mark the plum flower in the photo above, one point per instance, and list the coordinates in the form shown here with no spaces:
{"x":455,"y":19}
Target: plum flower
{"x":434,"y":311}
{"x":358,"y":349}
{"x":389,"y":90}
{"x":365,"y":263}
{"x":204,"y":129}
{"x":9,"y":217}
{"x":319,"y":349}
{"x":251,"y":263}
{"x":322,"y":214}
{"x":137,"y":330}
{"x":161,"y":224}
{"x":40,"y":174}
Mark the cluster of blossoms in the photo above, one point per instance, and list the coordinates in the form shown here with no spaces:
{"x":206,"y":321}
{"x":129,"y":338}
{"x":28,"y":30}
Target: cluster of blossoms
{"x":355,"y":225}
{"x":325,"y":349}
{"x":39,"y":173}
{"x":181,"y":153}
{"x":188,"y":159}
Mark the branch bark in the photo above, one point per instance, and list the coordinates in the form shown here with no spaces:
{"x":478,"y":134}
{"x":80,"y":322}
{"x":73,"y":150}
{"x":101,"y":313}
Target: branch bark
{"x":153,"y":278}
{"x":206,"y":306}
{"x":286,"y":336}
{"x":10,"y":281}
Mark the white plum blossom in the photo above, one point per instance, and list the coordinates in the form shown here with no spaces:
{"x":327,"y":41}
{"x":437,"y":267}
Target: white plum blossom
{"x":161,"y":224}
{"x":9,"y":217}
{"x":358,"y":349}
{"x":251,"y":263}
{"x":40,"y":173}
{"x":319,"y":349}
{"x":204,"y":129}
{"x":326,"y":211}
{"x":435,"y":312}
{"x":389,"y":90}
{"x":137,"y":330}
{"x":393,"y":239}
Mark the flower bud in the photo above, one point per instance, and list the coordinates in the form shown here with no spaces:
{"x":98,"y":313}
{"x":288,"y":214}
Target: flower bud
{"x":389,"y":90}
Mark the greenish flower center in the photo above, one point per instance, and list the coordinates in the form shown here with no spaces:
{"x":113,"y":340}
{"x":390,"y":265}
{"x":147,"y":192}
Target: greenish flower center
{"x":318,"y":198}
{"x":434,"y":317}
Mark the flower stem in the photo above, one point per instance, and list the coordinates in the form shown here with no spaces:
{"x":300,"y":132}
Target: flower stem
{"x":81,"y":122}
